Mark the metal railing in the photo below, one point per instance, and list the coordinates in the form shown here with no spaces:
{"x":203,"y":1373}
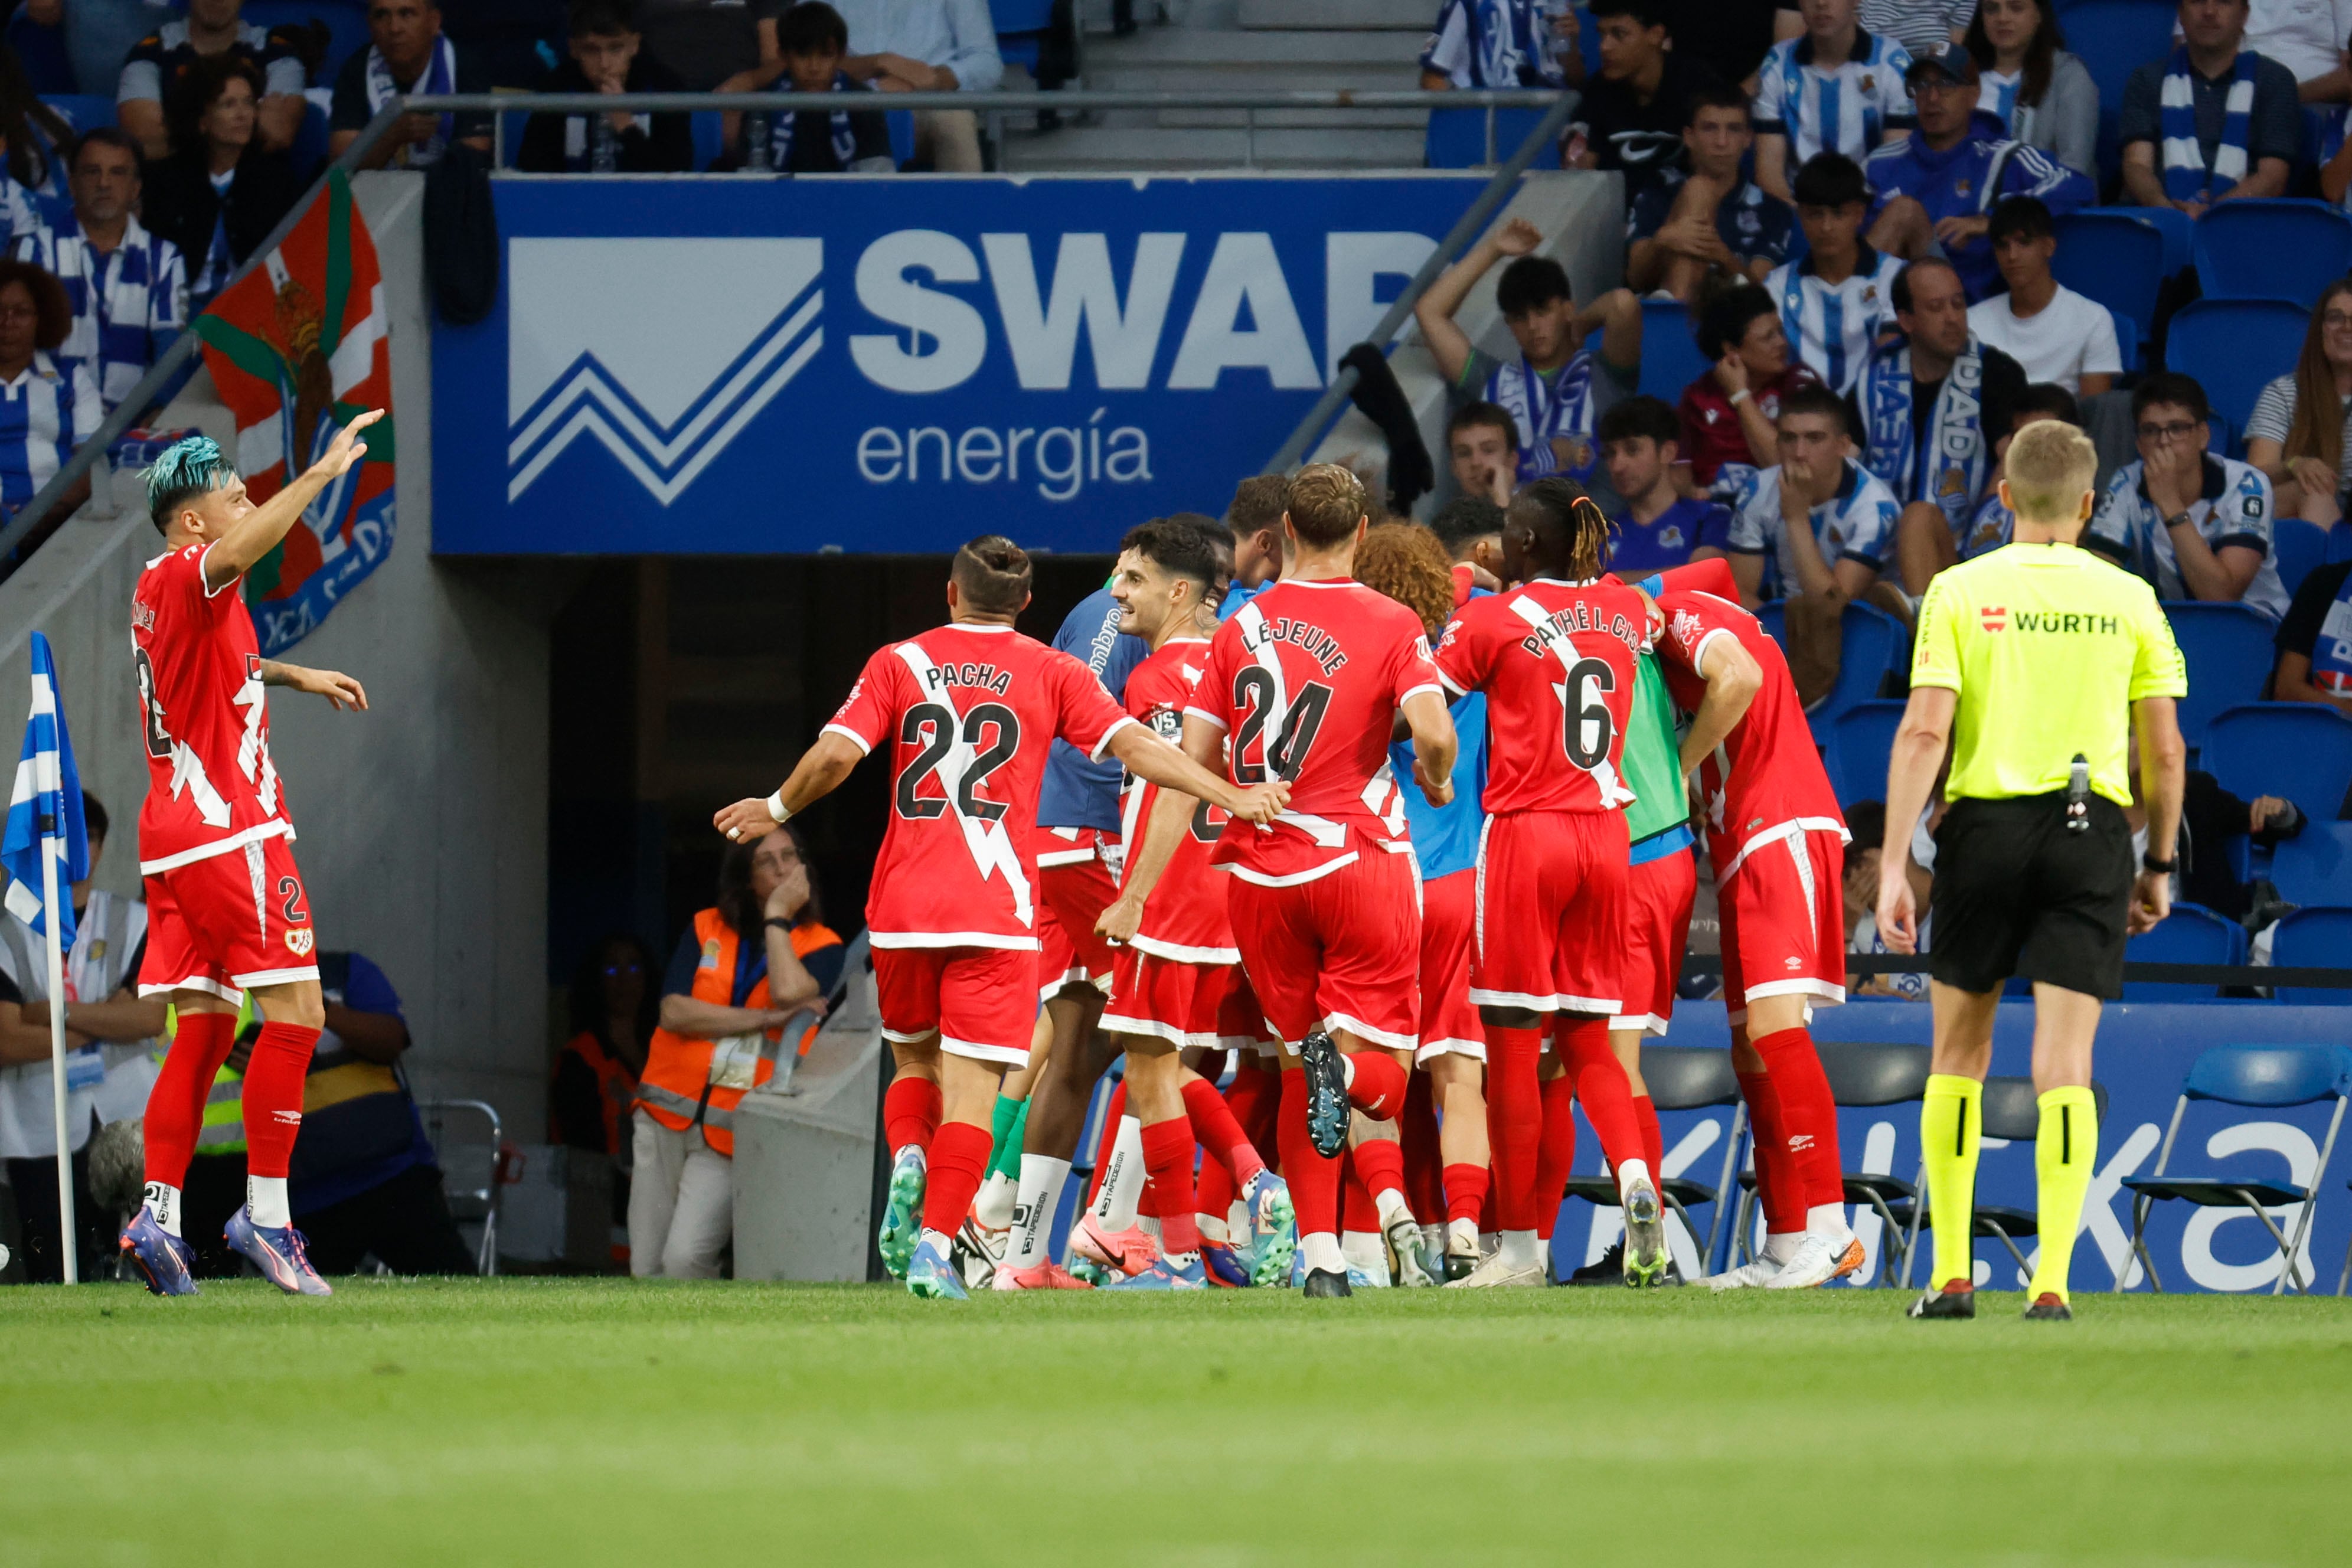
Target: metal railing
{"x":994,"y":104}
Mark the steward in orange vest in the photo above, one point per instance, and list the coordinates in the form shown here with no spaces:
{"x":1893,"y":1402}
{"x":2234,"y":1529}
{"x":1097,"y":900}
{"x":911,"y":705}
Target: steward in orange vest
{"x":700,"y":1082}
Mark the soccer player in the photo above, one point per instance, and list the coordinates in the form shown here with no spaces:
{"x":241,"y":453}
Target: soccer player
{"x":1555,"y":657}
{"x":226,"y":907}
{"x":1177,"y":982}
{"x":1305,"y":681}
{"x":968,"y":710}
{"x":1777,"y":844}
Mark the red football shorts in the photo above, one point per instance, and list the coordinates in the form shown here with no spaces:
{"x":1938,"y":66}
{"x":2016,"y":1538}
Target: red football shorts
{"x":1204,"y":1005}
{"x":1343,"y":950}
{"x":228,"y":921}
{"x":982,"y":1000}
{"x":1658,"y":896}
{"x":1449,"y":915}
{"x":1551,"y":902}
{"x":1783,"y":911}
{"x":1071,"y":895}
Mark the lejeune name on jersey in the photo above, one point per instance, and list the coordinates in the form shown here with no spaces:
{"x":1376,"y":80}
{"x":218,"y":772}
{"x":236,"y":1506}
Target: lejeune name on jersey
{"x":1313,"y":640}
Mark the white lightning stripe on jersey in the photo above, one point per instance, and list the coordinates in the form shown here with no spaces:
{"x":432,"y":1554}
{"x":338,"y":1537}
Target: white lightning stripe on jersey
{"x":188,"y":774}
{"x":990,"y":846}
{"x":1612,"y":789}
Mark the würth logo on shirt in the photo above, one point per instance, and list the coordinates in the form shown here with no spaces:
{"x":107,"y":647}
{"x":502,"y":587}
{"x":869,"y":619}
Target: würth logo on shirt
{"x":1995,"y":618}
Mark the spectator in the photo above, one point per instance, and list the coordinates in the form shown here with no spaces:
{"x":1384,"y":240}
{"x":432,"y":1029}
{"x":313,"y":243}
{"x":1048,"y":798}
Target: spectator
{"x":2056,"y":334}
{"x":1730,"y":37}
{"x":47,"y":406}
{"x":606,"y":54}
{"x":1730,"y":416}
{"x":735,"y":980}
{"x":1640,"y":443}
{"x":1917,"y":24}
{"x":161,"y":61}
{"x":406,"y":54}
{"x":1513,"y":43}
{"x":2297,"y":434}
{"x":813,"y":41}
{"x":110,"y":1056}
{"x":1482,"y":445}
{"x":2195,"y":525}
{"x":927,"y":45}
{"x":1927,"y":405}
{"x":614,"y":1007}
{"x":1990,"y":528}
{"x":2314,"y":641}
{"x":1866,"y":821}
{"x":2043,"y":95}
{"x":1556,"y":390}
{"x":1837,"y":89}
{"x":1936,"y":187}
{"x":2215,"y":122}
{"x":221,"y":191}
{"x":32,"y":132}
{"x":364,"y":1179}
{"x":1255,"y":516}
{"x":2306,"y":36}
{"x":1471,"y":529}
{"x":1634,"y":113}
{"x":1836,"y":301}
{"x":127,"y":288}
{"x":1684,"y":229}
{"x":1819,"y":524}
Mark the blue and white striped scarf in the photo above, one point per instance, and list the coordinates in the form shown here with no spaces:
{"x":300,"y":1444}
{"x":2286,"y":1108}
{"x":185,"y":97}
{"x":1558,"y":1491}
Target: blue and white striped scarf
{"x":2186,"y":177}
{"x":844,"y":135}
{"x":1563,"y":406}
{"x":1958,"y":460}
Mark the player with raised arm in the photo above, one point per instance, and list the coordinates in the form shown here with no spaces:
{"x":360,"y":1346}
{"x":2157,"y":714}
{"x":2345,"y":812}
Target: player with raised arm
{"x":1555,"y":656}
{"x":226,"y":911}
{"x":968,"y":711}
{"x":1305,"y":682}
{"x":1777,"y":841}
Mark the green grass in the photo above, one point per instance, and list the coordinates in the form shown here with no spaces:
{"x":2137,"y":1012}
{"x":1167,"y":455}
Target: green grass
{"x":574,"y":1422}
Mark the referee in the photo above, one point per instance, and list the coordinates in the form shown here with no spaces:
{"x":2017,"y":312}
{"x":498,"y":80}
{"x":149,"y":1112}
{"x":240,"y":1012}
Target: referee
{"x":2040,"y":661}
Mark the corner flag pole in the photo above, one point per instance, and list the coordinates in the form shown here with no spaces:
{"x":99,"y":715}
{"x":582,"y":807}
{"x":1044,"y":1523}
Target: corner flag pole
{"x":70,"y":1243}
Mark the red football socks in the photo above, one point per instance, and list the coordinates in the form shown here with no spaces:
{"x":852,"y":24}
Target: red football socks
{"x":1357,"y":1211}
{"x":1255,"y":1099}
{"x":176,"y":1107}
{"x":1514,"y":1122}
{"x":1168,"y":1162}
{"x":1808,"y":1111}
{"x":273,"y":1097}
{"x":1779,"y":1186}
{"x":1602,"y":1086}
{"x":1380,"y":1162}
{"x":959,"y":1155}
{"x":1654,"y":1142}
{"x":1465,"y":1192}
{"x":1376,"y":1084}
{"x":1219,"y":1132}
{"x":1424,"y":1190}
{"x":1112,"y":1114}
{"x":910,"y":1112}
{"x":1313,"y":1180}
{"x":1555,"y":1153}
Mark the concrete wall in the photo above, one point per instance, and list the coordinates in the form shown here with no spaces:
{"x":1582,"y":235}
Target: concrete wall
{"x":423,"y":821}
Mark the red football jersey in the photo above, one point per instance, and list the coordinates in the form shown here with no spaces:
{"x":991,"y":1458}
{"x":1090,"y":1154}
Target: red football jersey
{"x":1557,"y":663}
{"x":1766,"y":780}
{"x":970,"y":711}
{"x":211,"y":786}
{"x":1185,"y":918}
{"x":1305,"y":680}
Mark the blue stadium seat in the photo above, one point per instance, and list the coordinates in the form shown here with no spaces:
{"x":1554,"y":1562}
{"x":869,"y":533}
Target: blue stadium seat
{"x":2317,"y":938}
{"x":902,"y":135}
{"x":87,"y":111}
{"x":1861,"y":742}
{"x":347,"y":29}
{"x":708,"y":128}
{"x":2272,"y":1077}
{"x":2302,"y":549}
{"x":1021,"y":26}
{"x":2114,"y":256}
{"x":2339,"y":544}
{"x":2235,"y":348}
{"x":2228,"y":650}
{"x":2315,"y":866}
{"x":2300,"y":752}
{"x":1670,"y":356}
{"x":2126,"y":339}
{"x":2114,"y":37}
{"x":1870,"y":643}
{"x":1456,"y":138}
{"x":2192,"y":934}
{"x":2282,"y":249}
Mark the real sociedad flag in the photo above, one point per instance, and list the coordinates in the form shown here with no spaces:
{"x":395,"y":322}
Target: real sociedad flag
{"x":45,"y":809}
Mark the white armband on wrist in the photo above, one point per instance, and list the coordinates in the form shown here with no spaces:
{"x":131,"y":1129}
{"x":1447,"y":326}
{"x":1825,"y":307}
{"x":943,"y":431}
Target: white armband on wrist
{"x":1738,"y":397}
{"x":775,"y":804}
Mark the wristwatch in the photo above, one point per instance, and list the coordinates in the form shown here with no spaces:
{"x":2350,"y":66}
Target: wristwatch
{"x":2162,"y":867}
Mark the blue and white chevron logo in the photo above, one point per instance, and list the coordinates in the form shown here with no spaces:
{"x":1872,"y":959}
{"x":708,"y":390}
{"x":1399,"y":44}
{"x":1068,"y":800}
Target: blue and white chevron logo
{"x":662,"y":350}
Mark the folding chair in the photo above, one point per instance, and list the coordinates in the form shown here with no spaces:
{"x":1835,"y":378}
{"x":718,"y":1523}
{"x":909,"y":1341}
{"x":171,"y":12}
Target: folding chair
{"x":2269,"y":1077}
{"x":2116,"y":257}
{"x":2315,"y":866}
{"x":2010,"y":1109}
{"x":2302,"y":550}
{"x":2301,"y":751}
{"x":1870,"y":643}
{"x":1683,"y":1078}
{"x":2232,"y":347}
{"x":2282,"y":248}
{"x":469,"y":1171}
{"x":2228,"y":650}
{"x":1670,"y":356}
{"x":2318,"y":937}
{"x":1861,"y":1077}
{"x":1863,"y":740}
{"x":2190,"y":934}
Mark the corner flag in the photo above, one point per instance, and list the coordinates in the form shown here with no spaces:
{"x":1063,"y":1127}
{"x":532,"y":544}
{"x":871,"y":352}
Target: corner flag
{"x":44,"y":809}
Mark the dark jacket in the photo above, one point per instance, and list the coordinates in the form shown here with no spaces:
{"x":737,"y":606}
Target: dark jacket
{"x":180,"y":204}
{"x":668,"y":149}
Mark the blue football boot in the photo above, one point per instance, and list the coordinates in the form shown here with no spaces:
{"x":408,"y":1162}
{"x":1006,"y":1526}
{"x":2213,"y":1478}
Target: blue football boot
{"x":1224,"y":1267}
{"x":1274,"y":1229}
{"x":902,"y":1211}
{"x":162,"y":1258}
{"x":278,"y":1252}
{"x":1165,"y":1276}
{"x":932,"y":1274}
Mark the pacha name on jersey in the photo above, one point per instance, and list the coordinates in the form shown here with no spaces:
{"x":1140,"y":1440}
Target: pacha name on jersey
{"x":941,"y":677}
{"x":1318,"y":644}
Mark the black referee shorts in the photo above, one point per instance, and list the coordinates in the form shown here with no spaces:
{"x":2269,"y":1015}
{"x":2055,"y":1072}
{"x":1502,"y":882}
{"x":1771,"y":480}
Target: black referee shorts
{"x":2016,"y":894}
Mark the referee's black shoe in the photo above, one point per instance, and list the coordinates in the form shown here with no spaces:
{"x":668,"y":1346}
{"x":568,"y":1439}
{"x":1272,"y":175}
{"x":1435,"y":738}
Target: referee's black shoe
{"x":1955,"y":1299}
{"x":1326,"y":1282}
{"x":1327,"y":1093}
{"x":2048,"y":1309}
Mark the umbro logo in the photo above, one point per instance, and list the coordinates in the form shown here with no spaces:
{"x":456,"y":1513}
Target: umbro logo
{"x":1798,"y":1141}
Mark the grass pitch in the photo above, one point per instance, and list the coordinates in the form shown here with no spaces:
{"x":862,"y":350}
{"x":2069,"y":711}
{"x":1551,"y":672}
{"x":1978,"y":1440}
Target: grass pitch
{"x":590,"y":1422}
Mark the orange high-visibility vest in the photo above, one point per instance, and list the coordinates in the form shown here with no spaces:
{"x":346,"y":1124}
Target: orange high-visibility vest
{"x":675,"y":1089}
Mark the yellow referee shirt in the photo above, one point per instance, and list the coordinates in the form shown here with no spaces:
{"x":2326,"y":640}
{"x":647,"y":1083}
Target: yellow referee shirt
{"x":2048,"y":646}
